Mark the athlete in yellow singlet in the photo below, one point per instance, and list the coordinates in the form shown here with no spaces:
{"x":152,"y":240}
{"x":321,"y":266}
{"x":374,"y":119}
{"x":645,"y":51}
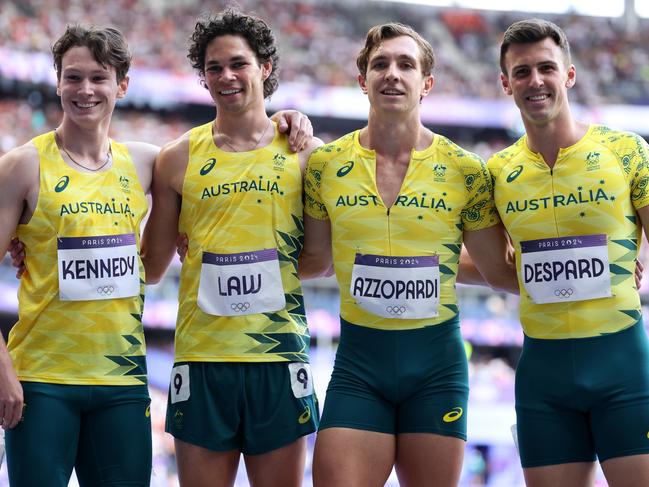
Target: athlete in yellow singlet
{"x":574,"y":200}
{"x":73,"y":388}
{"x":396,"y":202}
{"x":241,"y":383}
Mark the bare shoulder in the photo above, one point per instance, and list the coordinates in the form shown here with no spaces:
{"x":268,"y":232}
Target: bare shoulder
{"x":21,"y":164}
{"x":175,"y":153}
{"x":142,"y":152}
{"x":143,"y":155}
{"x":171,"y":163}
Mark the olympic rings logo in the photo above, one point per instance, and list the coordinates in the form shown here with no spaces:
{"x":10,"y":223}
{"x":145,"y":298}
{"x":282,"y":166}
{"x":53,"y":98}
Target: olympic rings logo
{"x":564,"y":293}
{"x":240,"y":306}
{"x":105,"y":290}
{"x":396,"y":310}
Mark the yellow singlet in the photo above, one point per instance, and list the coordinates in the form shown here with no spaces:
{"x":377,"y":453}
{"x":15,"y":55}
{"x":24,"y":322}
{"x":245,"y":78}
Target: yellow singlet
{"x":92,"y":341}
{"x":236,"y":203}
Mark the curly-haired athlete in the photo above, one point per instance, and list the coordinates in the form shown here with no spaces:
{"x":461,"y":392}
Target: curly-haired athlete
{"x":397,"y":201}
{"x":241,"y":382}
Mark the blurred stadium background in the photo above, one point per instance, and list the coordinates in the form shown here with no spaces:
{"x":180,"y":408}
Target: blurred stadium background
{"x":319,"y":40}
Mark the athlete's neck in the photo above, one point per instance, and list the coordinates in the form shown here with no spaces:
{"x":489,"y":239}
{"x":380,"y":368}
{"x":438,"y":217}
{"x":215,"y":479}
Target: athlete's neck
{"x":90,"y":143}
{"x":392,"y":137}
{"x":550,"y":137}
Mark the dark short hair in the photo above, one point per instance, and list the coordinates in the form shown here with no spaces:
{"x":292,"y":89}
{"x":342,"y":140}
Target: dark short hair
{"x":380,"y":33}
{"x":107,"y":44}
{"x":530,"y":31}
{"x":232,"y":22}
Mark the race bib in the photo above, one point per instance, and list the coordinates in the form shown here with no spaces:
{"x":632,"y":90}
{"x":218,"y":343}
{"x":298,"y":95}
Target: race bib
{"x":98,"y":267}
{"x":396,"y":287}
{"x":554,"y":270}
{"x":241,"y":284}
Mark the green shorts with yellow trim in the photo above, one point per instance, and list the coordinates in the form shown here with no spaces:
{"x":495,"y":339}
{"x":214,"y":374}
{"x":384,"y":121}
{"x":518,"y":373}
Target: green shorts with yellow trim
{"x":399,"y":381}
{"x":250,"y":407}
{"x":104,"y":432}
{"x":583,"y":398}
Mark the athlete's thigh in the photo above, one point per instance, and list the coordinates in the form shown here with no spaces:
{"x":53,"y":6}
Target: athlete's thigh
{"x":280,"y":406}
{"x":41,"y":450}
{"x":200,"y":467}
{"x":115,"y":439}
{"x":429,"y":459}
{"x":204,"y":407}
{"x":579,"y":474}
{"x":360,"y":394}
{"x":434,"y":382}
{"x":630,"y":471}
{"x":344,"y":457}
{"x":620,"y":417}
{"x":283,"y":466}
{"x":553,"y":426}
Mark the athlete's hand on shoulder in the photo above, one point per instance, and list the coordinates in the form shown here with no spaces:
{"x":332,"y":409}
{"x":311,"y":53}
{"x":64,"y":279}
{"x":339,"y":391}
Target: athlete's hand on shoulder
{"x":11,"y":397}
{"x":297,"y":125}
{"x":639,"y":269}
{"x":182,"y":245}
{"x":17,"y":251}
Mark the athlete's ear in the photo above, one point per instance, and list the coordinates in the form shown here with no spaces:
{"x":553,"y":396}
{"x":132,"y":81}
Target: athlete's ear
{"x":572,"y":76}
{"x":504,"y":80}
{"x":122,"y":87}
{"x":429,"y":82}
{"x":266,"y":69}
{"x":362,"y":83}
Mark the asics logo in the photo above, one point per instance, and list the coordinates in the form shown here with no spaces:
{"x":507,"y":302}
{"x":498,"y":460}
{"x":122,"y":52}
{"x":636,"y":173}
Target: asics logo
{"x":514,"y":174}
{"x":62,"y":184}
{"x":453,"y":415}
{"x":345,"y":169}
{"x":305,"y":416}
{"x":209,"y":165}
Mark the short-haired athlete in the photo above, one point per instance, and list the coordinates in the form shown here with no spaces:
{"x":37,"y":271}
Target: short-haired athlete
{"x":241,"y":382}
{"x":574,"y":198}
{"x":73,"y":390}
{"x":397,"y":201}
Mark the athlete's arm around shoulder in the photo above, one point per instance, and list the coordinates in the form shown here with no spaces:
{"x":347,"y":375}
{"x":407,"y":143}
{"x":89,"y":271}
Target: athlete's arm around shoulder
{"x":161,"y":230}
{"x":143,"y":156}
{"x":19,"y":185}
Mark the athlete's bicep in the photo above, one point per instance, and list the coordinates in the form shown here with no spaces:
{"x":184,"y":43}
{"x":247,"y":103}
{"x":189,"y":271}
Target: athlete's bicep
{"x":161,"y":230}
{"x":17,"y":177}
{"x":316,"y":257}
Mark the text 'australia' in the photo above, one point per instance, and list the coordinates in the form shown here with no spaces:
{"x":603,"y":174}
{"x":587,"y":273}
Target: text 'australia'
{"x":261,"y":185}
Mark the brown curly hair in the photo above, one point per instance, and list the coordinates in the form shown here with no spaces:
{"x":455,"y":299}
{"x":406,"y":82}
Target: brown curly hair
{"x":232,"y":22}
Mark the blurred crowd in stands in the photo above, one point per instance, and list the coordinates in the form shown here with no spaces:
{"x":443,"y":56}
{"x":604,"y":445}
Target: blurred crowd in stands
{"x":319,"y":40}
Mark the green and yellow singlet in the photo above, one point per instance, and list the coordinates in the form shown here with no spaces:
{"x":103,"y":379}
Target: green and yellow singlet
{"x":81,"y":251}
{"x":446,"y":190}
{"x":237,"y":207}
{"x":594,"y":189}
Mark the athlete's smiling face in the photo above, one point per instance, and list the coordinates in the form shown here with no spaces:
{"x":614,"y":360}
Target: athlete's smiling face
{"x":394,"y":79}
{"x":87,"y":89}
{"x":538,"y":77}
{"x":233,"y":76}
